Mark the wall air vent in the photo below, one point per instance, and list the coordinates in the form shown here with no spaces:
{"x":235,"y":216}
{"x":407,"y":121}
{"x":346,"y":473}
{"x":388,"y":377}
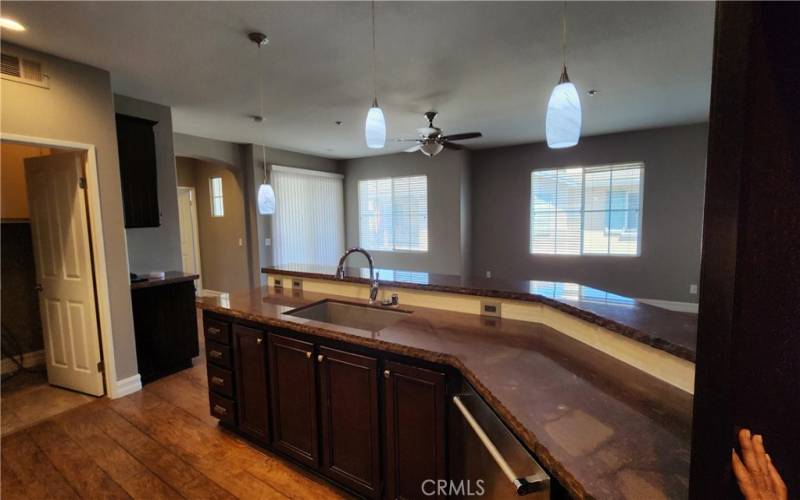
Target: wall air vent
{"x":19,"y":69}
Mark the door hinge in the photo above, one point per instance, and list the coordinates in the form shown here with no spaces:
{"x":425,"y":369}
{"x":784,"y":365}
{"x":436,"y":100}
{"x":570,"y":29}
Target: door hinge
{"x":82,"y":182}
{"x":101,"y":367}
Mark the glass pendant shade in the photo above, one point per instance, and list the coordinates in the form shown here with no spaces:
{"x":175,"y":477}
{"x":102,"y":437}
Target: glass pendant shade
{"x":563,"y":121}
{"x":266,"y":200}
{"x":375,"y":127}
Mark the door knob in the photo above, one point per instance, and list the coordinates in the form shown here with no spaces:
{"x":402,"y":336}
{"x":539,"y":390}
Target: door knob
{"x":308,"y":354}
{"x":320,"y":358}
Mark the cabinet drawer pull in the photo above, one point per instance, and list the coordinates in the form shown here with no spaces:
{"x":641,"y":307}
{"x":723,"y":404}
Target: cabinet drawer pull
{"x":308,"y":354}
{"x":220,"y":409}
{"x":320,"y":358}
{"x":386,"y":373}
{"x":217,"y":381}
{"x":215,"y":354}
{"x":259,"y":340}
{"x":213,"y":330}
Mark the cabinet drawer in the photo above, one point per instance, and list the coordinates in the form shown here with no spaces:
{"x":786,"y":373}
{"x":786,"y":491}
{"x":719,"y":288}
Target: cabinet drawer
{"x":222,"y":408}
{"x":218,"y":331}
{"x":220,"y":381}
{"x":218,"y":354}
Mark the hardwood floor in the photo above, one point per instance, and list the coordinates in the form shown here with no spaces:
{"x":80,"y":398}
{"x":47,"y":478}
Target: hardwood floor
{"x":157,"y":443}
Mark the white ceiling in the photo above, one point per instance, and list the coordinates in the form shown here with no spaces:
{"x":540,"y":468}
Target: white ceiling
{"x":485,"y":66}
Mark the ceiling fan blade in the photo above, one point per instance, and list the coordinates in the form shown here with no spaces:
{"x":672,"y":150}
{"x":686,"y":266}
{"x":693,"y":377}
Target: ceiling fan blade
{"x":461,"y":137}
{"x":452,"y":145}
{"x":414,"y":149}
{"x":405,"y":140}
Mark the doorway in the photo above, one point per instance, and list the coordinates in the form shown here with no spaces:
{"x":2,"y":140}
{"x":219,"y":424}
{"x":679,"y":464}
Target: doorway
{"x":52,"y":355}
{"x":190,"y":238}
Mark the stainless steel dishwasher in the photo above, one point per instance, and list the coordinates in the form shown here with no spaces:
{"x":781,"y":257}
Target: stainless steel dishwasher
{"x":487,"y":460}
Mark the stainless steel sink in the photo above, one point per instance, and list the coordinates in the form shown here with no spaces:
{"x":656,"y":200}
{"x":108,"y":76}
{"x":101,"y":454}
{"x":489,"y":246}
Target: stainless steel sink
{"x":367,"y":318}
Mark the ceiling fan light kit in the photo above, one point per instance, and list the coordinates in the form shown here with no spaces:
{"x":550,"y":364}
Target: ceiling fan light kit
{"x":564,"y":117}
{"x":432,"y":141}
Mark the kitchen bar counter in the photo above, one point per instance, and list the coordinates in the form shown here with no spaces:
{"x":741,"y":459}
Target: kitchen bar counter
{"x":602,"y":428}
{"x":670,"y":331}
{"x":169,"y":278}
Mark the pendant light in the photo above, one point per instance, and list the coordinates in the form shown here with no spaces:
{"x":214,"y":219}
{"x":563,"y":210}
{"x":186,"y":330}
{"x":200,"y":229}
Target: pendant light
{"x":375,"y":126}
{"x":563,"y":121}
{"x":266,"y":196}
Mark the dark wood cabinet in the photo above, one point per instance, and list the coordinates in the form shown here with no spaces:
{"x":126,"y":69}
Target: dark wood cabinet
{"x":165,"y":328}
{"x":415,"y":429}
{"x":138,"y":171}
{"x":250,"y":355}
{"x":349,"y":416}
{"x":293,"y":387}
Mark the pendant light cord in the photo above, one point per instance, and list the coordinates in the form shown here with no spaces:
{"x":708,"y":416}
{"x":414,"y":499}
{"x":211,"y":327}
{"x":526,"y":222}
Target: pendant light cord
{"x":374,"y":64}
{"x":261,"y":107}
{"x":564,"y":36}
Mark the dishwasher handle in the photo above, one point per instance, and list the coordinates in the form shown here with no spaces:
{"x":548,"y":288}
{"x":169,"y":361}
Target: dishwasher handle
{"x":522,"y":484}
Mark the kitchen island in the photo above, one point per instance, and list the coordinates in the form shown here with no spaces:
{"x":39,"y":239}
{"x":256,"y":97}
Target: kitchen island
{"x":600,"y":428}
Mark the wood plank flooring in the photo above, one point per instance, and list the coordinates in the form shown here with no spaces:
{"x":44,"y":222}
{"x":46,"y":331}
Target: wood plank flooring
{"x":157,"y":443}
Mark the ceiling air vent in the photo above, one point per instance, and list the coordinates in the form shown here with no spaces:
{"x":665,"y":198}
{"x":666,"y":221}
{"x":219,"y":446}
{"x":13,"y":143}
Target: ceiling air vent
{"x":22,"y":70}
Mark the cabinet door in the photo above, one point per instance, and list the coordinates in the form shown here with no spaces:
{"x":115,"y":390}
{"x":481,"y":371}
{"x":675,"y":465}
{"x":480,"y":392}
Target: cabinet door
{"x":349,"y":415}
{"x":415,"y":435}
{"x":138,"y":171}
{"x":250,"y":361}
{"x":294,"y":398}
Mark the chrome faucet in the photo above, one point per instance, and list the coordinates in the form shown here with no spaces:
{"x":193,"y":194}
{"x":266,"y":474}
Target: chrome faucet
{"x":373,"y":276}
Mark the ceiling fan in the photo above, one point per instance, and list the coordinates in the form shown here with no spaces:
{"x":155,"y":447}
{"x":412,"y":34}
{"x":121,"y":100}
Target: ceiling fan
{"x":431,"y":140}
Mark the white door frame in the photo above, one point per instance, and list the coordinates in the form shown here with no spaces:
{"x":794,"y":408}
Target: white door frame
{"x":196,"y":235}
{"x":98,"y":249}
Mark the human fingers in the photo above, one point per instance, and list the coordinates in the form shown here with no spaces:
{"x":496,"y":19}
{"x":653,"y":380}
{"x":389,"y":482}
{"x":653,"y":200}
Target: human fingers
{"x":761,"y":459}
{"x":749,"y":459}
{"x":778,"y":485}
{"x":743,"y":477}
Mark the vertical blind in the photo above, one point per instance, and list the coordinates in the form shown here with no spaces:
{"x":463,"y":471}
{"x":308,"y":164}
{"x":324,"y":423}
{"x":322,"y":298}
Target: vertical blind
{"x":587,"y":210}
{"x":309,"y":217}
{"x":393,"y":214}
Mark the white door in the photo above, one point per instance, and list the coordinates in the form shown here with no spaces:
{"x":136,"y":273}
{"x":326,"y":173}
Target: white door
{"x":62,"y":253}
{"x":190,"y":240}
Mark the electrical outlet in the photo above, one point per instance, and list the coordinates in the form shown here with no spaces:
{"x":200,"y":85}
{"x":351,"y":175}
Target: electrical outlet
{"x":488,"y":274}
{"x":241,"y":242}
{"x":489,"y":308}
{"x":267,"y":242}
{"x":693,"y":289}
{"x":297,"y":284}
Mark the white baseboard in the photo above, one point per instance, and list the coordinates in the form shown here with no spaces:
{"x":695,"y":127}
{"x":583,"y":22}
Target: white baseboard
{"x":689,"y":307}
{"x":126,"y":386}
{"x":29,"y":360}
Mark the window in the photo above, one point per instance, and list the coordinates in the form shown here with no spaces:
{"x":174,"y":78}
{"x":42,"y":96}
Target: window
{"x":587,"y":210}
{"x":308,"y":225}
{"x":393,"y":214}
{"x":217,"y":207}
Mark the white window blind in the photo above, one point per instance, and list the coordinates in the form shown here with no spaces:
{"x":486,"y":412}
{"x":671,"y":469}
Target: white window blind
{"x":217,"y":205}
{"x":308,"y":224}
{"x":393,"y":214}
{"x":587,"y":210}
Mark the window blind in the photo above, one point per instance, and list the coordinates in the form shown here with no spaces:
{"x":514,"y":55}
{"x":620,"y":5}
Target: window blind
{"x":586,"y":210}
{"x":308,"y":224}
{"x":393,"y":214}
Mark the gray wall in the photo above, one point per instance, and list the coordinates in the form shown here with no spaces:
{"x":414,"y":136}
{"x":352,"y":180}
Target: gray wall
{"x":156,"y":248}
{"x":79,"y":107}
{"x":674,"y":184}
{"x":447,"y":174}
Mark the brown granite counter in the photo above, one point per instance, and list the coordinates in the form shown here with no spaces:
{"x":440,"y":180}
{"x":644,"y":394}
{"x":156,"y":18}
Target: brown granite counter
{"x":602,"y":428}
{"x":670,"y":331}
{"x":170,"y":277}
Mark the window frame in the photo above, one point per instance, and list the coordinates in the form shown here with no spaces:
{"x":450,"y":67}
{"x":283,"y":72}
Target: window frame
{"x":640,"y":164}
{"x":212,"y":196}
{"x":427,"y":214}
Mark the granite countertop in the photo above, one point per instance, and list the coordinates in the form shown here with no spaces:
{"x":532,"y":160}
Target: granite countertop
{"x":671,"y":331}
{"x":169,"y":278}
{"x":603,"y":429}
